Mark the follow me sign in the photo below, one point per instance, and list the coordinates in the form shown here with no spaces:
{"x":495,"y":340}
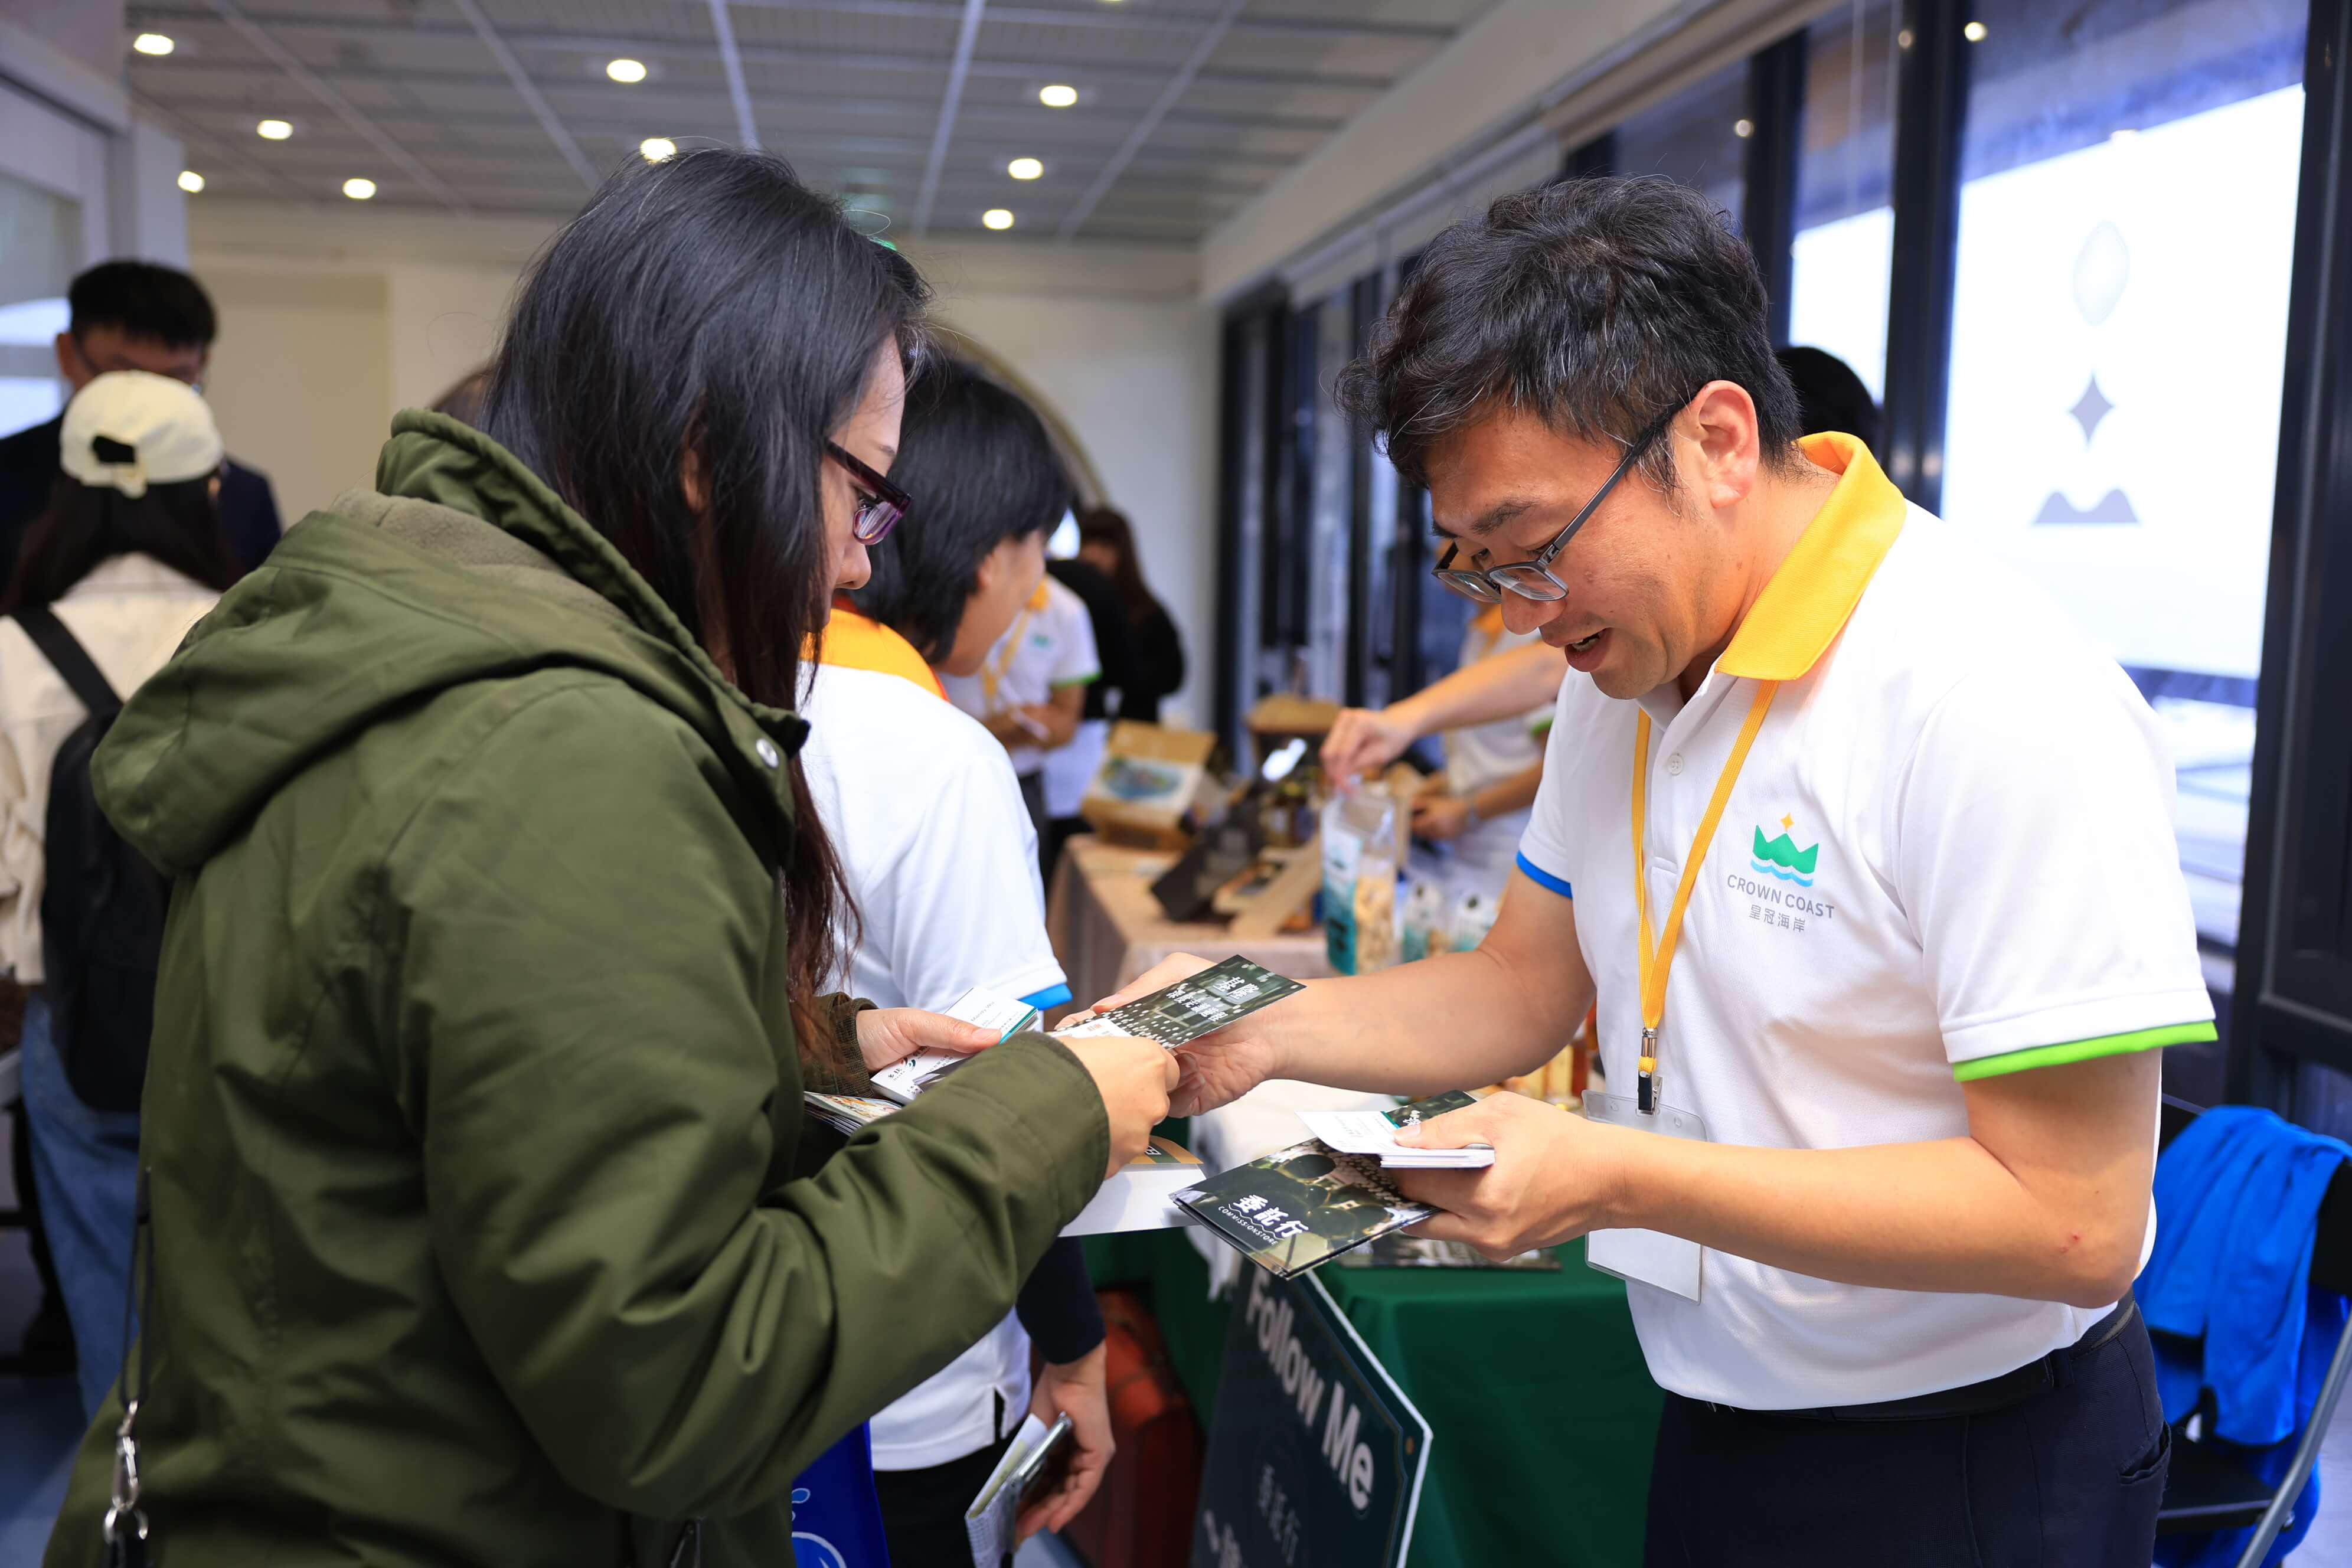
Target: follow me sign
{"x":1316,"y":1458}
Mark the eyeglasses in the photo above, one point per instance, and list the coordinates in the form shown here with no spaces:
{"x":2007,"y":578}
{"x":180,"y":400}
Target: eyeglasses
{"x":880,"y":504}
{"x":1533,"y":578}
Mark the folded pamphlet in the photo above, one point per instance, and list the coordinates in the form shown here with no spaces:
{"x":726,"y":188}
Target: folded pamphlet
{"x":1195,"y":1005}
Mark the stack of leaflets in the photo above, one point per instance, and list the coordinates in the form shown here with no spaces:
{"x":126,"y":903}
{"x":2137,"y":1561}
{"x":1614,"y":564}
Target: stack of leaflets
{"x":847,"y":1114}
{"x":1374,"y":1132}
{"x":908,"y":1076}
{"x":1424,"y":1252}
{"x":1298,"y":1207}
{"x":1196,"y":1005}
{"x":1141,"y":1195}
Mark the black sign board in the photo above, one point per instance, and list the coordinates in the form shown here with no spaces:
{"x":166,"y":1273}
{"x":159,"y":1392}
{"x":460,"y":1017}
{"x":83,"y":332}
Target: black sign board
{"x":1316,"y":1457}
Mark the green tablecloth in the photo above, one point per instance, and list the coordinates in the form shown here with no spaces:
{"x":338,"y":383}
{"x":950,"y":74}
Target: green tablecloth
{"x":1540,"y":1410}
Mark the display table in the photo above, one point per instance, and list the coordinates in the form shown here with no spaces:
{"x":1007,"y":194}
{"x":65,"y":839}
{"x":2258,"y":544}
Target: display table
{"x":1540,"y":1410}
{"x":1107,"y":928}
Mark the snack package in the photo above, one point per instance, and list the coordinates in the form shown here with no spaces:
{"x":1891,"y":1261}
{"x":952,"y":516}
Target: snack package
{"x":1359,"y":881}
{"x":1474,"y":917}
{"x":1424,"y":928}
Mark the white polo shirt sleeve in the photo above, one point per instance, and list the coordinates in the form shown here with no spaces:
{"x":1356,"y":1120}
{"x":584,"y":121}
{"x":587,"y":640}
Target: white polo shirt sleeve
{"x":1545,"y":853}
{"x":2033,"y":851}
{"x":1075,"y":659}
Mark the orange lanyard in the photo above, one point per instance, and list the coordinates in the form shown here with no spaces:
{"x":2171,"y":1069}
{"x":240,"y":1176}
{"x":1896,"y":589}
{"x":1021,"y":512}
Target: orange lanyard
{"x":1657,"y":952}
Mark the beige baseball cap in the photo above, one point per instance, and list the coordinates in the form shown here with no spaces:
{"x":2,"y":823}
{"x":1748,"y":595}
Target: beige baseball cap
{"x":131,"y":428}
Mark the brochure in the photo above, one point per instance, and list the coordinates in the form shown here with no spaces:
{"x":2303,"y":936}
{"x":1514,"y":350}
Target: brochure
{"x":991,"y":1523}
{"x":910,"y":1076}
{"x":1301,"y":1206}
{"x":848,"y":1114}
{"x":1193,"y":1006}
{"x":1140,"y":1196}
{"x":1374,"y":1132}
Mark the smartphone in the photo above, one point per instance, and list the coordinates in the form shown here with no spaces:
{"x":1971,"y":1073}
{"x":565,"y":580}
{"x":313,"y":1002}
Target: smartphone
{"x":1041,"y":1474}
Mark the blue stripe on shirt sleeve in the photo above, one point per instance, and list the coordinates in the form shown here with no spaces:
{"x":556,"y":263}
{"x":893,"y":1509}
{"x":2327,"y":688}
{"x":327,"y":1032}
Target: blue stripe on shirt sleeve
{"x":1543,"y":879}
{"x":1052,"y":997}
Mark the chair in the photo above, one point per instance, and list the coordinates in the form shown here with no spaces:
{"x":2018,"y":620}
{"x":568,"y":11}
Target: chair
{"x":2207,"y":1491}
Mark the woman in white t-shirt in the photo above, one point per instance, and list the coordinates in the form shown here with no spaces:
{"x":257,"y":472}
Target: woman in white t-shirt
{"x":129,"y":554}
{"x":925,"y":811}
{"x":1480,"y":804}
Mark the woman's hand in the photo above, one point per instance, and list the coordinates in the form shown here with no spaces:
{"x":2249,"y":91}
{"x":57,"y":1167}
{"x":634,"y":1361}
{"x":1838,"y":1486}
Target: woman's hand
{"x":1074,"y":1388}
{"x":886,"y":1035}
{"x":1440,"y":817}
{"x":1134,"y":1078}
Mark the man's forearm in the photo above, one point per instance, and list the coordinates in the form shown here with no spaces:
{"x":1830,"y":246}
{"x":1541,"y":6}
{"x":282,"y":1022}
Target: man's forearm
{"x":1941,"y":1216}
{"x":1454,"y":1021}
{"x":1506,"y":796}
{"x":1488,"y":691}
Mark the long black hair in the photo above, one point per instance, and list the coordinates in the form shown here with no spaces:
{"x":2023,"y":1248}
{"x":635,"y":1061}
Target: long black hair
{"x":1109,"y":527}
{"x":712,"y":313}
{"x":982,"y":469}
{"x":85,"y":525}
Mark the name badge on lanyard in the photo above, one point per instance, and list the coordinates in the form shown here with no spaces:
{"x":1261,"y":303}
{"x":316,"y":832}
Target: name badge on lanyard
{"x":1651,"y":1256}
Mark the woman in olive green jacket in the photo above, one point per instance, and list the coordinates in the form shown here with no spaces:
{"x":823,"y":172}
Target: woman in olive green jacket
{"x":486,"y":1227}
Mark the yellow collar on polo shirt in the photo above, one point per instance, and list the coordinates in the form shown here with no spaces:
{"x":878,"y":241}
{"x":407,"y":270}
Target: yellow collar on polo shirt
{"x":853,"y":641}
{"x":1810,"y":598}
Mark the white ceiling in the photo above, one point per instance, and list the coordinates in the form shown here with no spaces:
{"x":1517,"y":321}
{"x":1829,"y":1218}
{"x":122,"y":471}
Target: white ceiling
{"x":1188,"y":108}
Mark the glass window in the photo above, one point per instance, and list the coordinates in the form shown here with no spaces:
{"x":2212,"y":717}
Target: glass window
{"x":40,"y":240}
{"x":2127,"y":226}
{"x":1845,"y":244}
{"x":1698,"y":137}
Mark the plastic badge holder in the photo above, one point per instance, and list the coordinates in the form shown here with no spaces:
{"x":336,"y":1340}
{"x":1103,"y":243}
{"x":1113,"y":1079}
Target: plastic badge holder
{"x":1646,"y":1256}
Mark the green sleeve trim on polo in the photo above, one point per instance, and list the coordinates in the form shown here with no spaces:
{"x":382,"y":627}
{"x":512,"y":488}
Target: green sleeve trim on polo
{"x":1077,"y":680}
{"x":2083,"y":1050}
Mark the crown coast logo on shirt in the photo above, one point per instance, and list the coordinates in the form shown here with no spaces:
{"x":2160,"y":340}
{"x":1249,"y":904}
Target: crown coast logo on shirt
{"x":1780,"y":857}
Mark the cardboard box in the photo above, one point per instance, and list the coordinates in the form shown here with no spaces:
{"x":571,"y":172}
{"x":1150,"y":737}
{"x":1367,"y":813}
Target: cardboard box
{"x":1285,"y":714}
{"x":1146,"y":786}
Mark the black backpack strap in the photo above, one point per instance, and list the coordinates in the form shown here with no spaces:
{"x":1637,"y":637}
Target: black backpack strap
{"x":64,"y":651}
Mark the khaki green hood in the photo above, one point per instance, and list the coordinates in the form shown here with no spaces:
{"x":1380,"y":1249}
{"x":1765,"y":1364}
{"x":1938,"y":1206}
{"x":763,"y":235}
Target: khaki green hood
{"x":460,"y":567}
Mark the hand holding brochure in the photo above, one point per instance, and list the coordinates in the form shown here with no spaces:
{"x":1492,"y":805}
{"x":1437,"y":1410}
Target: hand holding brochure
{"x":910,"y":1076}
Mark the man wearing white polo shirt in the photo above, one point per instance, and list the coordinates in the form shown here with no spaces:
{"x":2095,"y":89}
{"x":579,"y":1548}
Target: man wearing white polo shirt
{"x":1867,"y":854}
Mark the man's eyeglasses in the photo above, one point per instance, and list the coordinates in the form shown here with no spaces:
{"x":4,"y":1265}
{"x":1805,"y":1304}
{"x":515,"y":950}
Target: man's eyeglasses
{"x":1533,"y":578}
{"x":880,"y":504}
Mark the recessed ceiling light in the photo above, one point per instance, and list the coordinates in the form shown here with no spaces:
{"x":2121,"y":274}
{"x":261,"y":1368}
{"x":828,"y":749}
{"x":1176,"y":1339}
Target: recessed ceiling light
{"x":1743,"y":129}
{"x":625,"y":70}
{"x":273,"y":130}
{"x":191,"y":182}
{"x":359,"y":190}
{"x":154,"y":44}
{"x":1974,"y":32}
{"x":657,"y":148}
{"x":1902,"y":39}
{"x":996,"y":217}
{"x":1025,"y":168}
{"x":1058,"y":95}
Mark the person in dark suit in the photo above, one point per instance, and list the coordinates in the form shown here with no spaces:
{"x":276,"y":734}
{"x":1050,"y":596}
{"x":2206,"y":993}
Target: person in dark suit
{"x":130,"y":315}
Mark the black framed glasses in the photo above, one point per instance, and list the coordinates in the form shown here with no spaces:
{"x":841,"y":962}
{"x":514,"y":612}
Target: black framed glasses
{"x":880,"y":504}
{"x":1532,"y":578}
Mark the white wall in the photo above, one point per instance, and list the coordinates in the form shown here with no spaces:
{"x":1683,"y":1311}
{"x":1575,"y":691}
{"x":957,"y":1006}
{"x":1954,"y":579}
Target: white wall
{"x":332,"y":322}
{"x":300,"y":379}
